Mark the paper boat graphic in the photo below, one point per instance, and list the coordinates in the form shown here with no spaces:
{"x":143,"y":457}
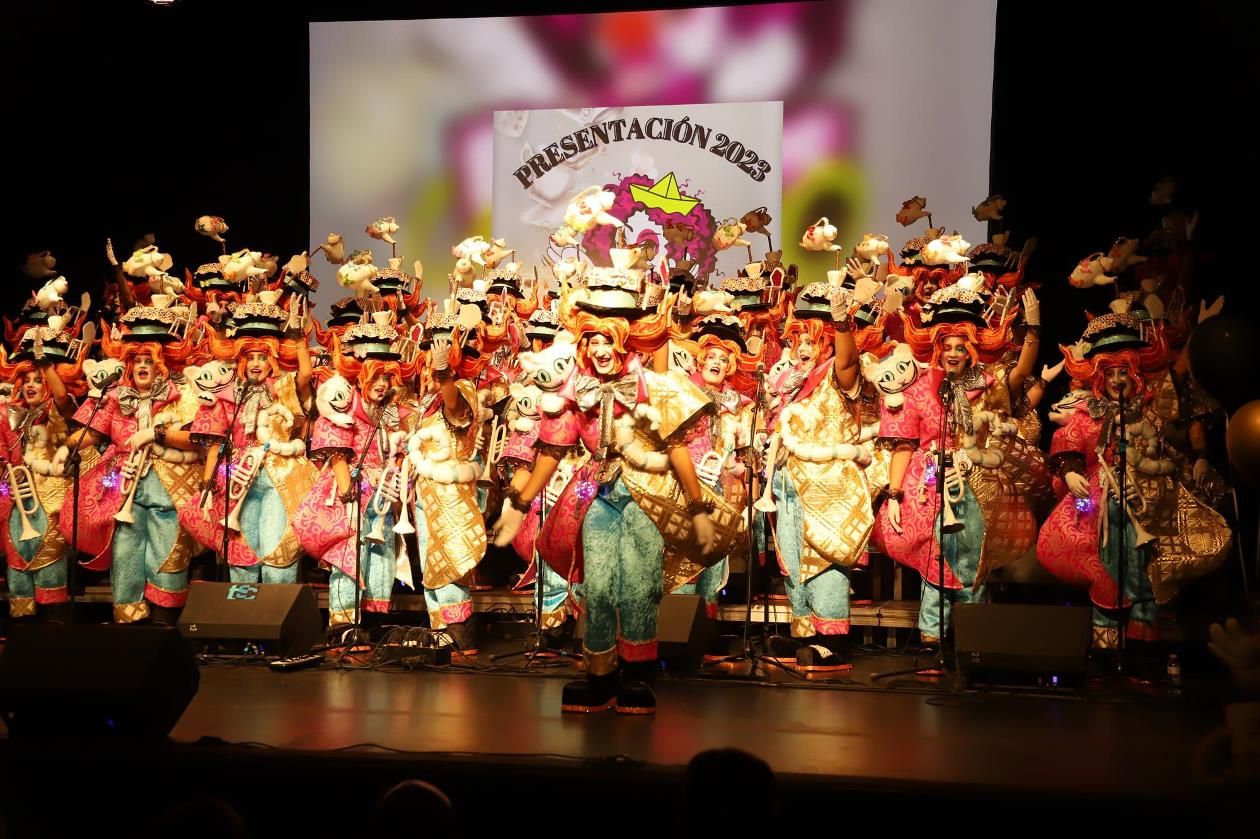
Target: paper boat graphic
{"x":664,"y":195}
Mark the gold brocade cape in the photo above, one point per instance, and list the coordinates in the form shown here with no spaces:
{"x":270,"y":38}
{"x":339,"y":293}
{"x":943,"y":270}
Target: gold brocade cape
{"x":678,"y":403}
{"x":834,"y":496}
{"x":455,"y":527}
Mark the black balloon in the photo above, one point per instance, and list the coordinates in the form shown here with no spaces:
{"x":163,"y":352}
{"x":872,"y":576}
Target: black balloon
{"x":1222,"y":351}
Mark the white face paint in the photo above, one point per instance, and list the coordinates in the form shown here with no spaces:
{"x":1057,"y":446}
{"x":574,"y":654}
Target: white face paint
{"x":378,"y":389}
{"x":257,"y":367}
{"x":804,"y":351}
{"x":603,"y":355}
{"x":143,"y":369}
{"x":954,"y":358}
{"x":713,"y":366}
{"x":34,"y":391}
{"x":1118,"y":383}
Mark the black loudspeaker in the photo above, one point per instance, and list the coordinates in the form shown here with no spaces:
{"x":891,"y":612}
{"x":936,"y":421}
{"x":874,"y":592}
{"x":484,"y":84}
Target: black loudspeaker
{"x":683,"y":630}
{"x":92,"y":681}
{"x":1022,"y":645}
{"x":282,"y":619}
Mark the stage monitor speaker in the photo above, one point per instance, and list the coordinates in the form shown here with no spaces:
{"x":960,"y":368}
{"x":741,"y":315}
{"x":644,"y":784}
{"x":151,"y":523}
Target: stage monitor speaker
{"x":90,"y":681}
{"x":1021,"y":644}
{"x":282,"y":619}
{"x":683,"y":630}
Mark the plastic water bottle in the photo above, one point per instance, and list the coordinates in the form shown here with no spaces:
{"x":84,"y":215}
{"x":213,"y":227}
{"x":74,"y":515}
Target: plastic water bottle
{"x":1174,"y":675}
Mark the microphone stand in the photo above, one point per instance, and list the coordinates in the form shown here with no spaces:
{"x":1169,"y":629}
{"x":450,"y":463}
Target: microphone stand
{"x":1122,"y":467}
{"x":225,"y":453}
{"x":937,"y":667}
{"x":72,"y":460}
{"x":747,"y":654}
{"x":356,"y":484}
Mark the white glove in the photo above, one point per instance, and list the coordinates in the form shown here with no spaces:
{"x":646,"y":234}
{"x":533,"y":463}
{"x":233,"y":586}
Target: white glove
{"x":841,"y":303}
{"x":1032,"y":308}
{"x":141,"y":438}
{"x":894,"y":514}
{"x":705,"y":536}
{"x":1049,"y":374}
{"x":1077,"y":484}
{"x":440,"y":353}
{"x":1200,"y":471}
{"x":508,"y":525}
{"x":59,"y":460}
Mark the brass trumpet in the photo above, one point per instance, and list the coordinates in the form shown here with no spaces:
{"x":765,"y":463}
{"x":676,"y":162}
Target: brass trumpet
{"x":138,"y":463}
{"x":949,"y":482}
{"x":1107,"y":479}
{"x":242,"y":479}
{"x":494,"y":451}
{"x":386,"y":493}
{"x":765,"y":503}
{"x":22,"y":488}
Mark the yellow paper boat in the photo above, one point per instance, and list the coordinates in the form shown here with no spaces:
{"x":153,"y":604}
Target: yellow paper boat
{"x":664,"y":195}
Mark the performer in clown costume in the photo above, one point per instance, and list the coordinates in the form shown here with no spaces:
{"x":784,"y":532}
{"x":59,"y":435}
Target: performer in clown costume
{"x":638,"y":496}
{"x":359,"y":438}
{"x":824,"y":514}
{"x":43,"y":380}
{"x":1168,"y":536}
{"x":244,"y":391}
{"x":955,"y":341}
{"x":129,"y":502}
{"x":450,"y":529}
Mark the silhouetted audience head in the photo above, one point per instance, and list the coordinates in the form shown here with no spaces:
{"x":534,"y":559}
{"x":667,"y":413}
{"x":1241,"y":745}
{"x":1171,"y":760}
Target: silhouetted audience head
{"x":722,"y":775}
{"x":413,"y":803}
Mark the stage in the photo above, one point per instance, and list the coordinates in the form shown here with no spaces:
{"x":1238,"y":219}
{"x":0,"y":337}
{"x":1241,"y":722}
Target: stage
{"x":494,"y":738}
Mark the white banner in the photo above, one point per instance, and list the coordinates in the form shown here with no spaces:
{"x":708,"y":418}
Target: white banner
{"x":678,"y":172}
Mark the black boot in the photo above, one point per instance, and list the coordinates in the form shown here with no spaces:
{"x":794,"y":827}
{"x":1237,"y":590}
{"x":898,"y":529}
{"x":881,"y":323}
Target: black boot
{"x":783,"y":649}
{"x":463,"y":637}
{"x":826,"y":654}
{"x":591,"y":695}
{"x":163,"y":615}
{"x":635,"y":695}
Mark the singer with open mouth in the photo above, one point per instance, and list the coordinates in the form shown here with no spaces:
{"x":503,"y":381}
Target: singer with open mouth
{"x":950,"y":406}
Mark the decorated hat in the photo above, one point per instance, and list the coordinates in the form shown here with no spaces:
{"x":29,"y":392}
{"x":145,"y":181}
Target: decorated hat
{"x":989,"y":257}
{"x":393,"y":281}
{"x":1112,"y":332}
{"x":209,"y":277}
{"x":260,"y":317}
{"x":814,"y":301}
{"x":474,"y":295}
{"x":543,"y":324}
{"x":345,"y":311}
{"x":439,"y":325}
{"x":303,"y":282}
{"x":957,"y":303}
{"x":910,"y":250}
{"x":48,"y":343}
{"x":505,"y":279}
{"x":748,"y":292}
{"x":372,"y":340}
{"x":614,"y":292}
{"x":152,"y":323}
{"x":724,"y":327}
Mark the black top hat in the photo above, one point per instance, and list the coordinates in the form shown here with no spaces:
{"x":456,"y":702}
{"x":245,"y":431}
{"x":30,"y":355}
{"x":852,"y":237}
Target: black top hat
{"x":1113,"y":332}
{"x":724,"y":327}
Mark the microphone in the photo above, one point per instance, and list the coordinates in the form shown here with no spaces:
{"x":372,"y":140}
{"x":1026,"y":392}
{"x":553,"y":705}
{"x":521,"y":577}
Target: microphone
{"x":389,"y":396}
{"x":946,"y":390}
{"x":110,"y":380}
